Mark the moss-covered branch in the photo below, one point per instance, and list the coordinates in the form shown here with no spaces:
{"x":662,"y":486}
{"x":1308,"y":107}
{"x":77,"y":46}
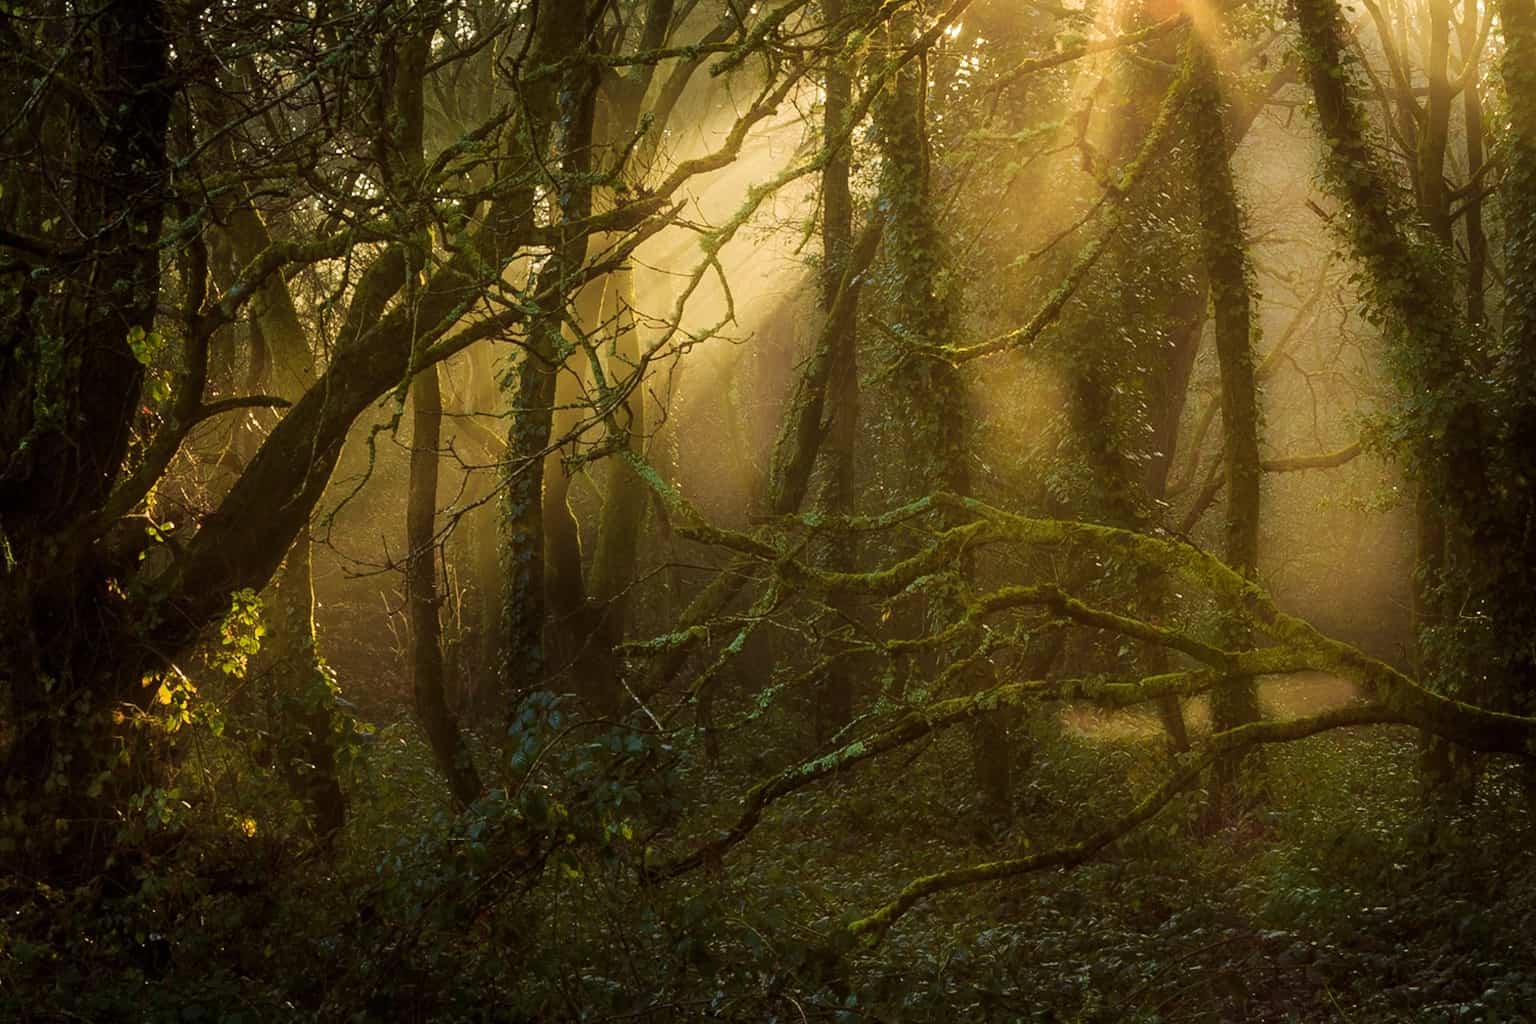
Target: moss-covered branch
{"x":1401,"y":700}
{"x":1298,"y":647}
{"x":921,"y":722}
{"x":1057,"y":601}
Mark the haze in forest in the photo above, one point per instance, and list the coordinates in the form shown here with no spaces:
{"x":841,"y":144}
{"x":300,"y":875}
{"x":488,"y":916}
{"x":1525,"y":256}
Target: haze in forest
{"x":818,"y":510}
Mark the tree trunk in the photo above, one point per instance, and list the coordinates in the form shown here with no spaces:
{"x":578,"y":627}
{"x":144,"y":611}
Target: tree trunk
{"x":928,"y":397}
{"x":1169,"y":390}
{"x":615,"y":556}
{"x":835,"y":707}
{"x":288,"y":674}
{"x":1224,"y":246}
{"x":1445,"y":413}
{"x":1152,"y":281}
{"x":421,"y":594}
{"x":1512,"y":585}
{"x":568,"y":101}
{"x":70,"y":383}
{"x":1472,"y":116}
{"x":564,"y":586}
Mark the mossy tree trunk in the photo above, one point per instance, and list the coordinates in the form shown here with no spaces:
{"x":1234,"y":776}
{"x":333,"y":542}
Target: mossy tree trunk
{"x":928,"y":400}
{"x":1128,"y":357}
{"x":564,"y":584}
{"x":567,"y":100}
{"x":1511,"y":590}
{"x":1446,"y":769}
{"x":1448,"y":414}
{"x":1224,"y":247}
{"x":834,"y":709}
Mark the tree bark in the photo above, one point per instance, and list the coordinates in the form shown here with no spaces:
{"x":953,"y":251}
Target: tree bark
{"x":70,"y":383}
{"x":616,"y":554}
{"x":1224,"y":247}
{"x":835,"y":707}
{"x":928,"y":397}
{"x":567,"y":101}
{"x":1472,"y":116}
{"x":421,"y":594}
{"x":1445,"y":411}
{"x":1513,"y":579}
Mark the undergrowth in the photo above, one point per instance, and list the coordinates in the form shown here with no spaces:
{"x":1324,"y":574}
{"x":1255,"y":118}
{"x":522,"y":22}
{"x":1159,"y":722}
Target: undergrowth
{"x":1339,"y":898}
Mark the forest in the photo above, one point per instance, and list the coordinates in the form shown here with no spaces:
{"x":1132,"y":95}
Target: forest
{"x":795,"y":510}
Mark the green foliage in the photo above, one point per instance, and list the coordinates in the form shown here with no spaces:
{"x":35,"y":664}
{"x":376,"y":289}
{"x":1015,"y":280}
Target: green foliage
{"x":1340,"y":900}
{"x":240,"y":635}
{"x":1372,"y":888}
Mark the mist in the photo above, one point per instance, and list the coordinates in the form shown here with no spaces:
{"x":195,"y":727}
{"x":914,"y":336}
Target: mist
{"x":806,"y":511}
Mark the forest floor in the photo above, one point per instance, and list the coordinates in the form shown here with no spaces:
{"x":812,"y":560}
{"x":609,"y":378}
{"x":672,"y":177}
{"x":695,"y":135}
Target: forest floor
{"x":1335,"y":897}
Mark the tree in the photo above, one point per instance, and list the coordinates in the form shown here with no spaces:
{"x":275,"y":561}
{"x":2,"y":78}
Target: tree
{"x":96,"y":255}
{"x":1454,"y":420}
{"x":1226,"y":268}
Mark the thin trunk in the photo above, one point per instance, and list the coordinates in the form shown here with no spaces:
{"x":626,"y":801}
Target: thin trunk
{"x":1472,"y":114}
{"x":404,"y":71}
{"x":477,"y":536}
{"x":572,"y":630}
{"x":432,"y":713}
{"x":524,"y":661}
{"x":1433,"y":198}
{"x":1169,"y":388}
{"x":563,"y":585}
{"x":1224,"y":246}
{"x":616,"y":554}
{"x":835,"y":708}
